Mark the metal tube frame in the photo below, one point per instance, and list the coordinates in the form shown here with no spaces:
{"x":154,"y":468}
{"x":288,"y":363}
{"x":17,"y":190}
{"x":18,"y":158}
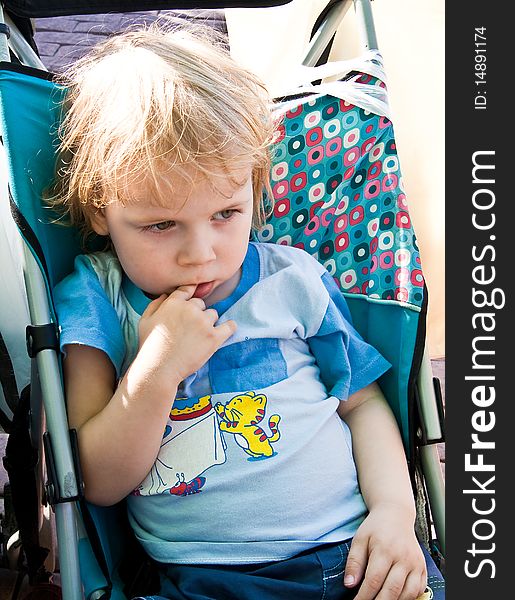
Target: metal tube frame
{"x":433,"y":476}
{"x":57,"y":426}
{"x":22,"y":48}
{"x":329,"y":26}
{"x":4,"y":45}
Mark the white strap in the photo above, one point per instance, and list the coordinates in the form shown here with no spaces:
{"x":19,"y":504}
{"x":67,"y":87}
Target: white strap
{"x":371,"y":98}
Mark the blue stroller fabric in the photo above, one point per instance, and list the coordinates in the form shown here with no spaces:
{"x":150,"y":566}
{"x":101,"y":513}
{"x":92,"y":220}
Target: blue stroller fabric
{"x":31,"y":107}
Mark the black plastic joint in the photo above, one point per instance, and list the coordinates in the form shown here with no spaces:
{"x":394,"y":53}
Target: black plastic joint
{"x":5,"y":29}
{"x":53,"y":495}
{"x":41,"y":337}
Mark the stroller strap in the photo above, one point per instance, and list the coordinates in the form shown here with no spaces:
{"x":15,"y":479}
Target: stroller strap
{"x":372,"y":98}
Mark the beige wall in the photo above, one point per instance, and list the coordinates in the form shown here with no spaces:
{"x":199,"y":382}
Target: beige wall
{"x":410,"y":36}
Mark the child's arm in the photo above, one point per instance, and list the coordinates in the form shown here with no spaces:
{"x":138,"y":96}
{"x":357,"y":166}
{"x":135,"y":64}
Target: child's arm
{"x":120,"y":427}
{"x":384,"y":554}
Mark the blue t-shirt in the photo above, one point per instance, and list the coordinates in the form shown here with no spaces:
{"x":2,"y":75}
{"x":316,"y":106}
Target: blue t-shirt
{"x":255,"y":464}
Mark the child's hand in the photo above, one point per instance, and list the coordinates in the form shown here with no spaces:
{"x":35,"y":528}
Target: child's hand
{"x":180,"y":332}
{"x":386,"y":551}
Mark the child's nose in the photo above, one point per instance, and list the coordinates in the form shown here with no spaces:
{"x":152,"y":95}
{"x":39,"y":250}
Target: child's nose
{"x":197,"y":250}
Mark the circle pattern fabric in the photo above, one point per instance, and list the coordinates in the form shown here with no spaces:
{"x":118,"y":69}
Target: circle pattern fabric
{"x":338,"y":194}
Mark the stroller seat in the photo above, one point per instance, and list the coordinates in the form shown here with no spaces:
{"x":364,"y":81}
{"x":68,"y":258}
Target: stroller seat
{"x":338,"y":194}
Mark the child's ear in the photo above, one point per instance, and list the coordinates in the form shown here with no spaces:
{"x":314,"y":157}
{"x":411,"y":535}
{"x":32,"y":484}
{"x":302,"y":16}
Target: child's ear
{"x":99,"y":222}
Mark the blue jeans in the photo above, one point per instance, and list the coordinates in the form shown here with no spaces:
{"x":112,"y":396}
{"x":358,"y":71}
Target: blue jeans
{"x":313,"y":575}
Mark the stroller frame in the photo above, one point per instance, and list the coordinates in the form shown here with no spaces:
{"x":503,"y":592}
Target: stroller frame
{"x":66,"y":489}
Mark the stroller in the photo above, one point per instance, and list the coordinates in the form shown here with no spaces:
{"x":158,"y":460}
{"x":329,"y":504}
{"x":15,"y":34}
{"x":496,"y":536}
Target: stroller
{"x":338,"y":194}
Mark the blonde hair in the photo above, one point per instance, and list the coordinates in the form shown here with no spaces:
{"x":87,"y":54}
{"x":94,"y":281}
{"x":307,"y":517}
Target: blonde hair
{"x":153,"y":102}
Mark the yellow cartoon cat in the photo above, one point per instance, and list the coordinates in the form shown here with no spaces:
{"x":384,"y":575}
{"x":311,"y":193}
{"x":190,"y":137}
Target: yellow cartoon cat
{"x":241,"y":415}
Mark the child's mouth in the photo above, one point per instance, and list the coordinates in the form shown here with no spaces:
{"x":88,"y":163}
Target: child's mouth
{"x":203,"y":289}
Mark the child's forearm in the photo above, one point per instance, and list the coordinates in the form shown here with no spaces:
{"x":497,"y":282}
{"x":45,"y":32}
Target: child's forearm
{"x":385,"y":557}
{"x":378,"y":451}
{"x":119,"y":442}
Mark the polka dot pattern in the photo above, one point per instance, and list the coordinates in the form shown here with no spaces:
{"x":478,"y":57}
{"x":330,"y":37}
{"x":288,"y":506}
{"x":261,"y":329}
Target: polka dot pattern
{"x":338,"y":194}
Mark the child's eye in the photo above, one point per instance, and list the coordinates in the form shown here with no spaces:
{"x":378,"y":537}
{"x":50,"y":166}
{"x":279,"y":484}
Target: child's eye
{"x":224,"y":215}
{"x":162,"y":226}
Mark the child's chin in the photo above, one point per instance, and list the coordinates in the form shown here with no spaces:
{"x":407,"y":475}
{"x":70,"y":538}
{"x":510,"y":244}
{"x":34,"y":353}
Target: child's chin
{"x":151,"y":296}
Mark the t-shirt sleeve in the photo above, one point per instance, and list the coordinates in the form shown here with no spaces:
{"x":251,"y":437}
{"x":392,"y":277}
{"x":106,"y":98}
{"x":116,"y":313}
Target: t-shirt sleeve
{"x":347,"y":363}
{"x":86,"y":316}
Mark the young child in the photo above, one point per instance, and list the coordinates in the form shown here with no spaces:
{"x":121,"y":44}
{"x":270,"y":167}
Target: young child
{"x":215,"y":382}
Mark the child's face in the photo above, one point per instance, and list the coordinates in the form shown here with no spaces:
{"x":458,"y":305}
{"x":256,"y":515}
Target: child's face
{"x":200,"y":239}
